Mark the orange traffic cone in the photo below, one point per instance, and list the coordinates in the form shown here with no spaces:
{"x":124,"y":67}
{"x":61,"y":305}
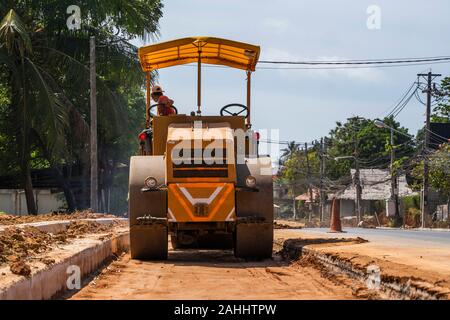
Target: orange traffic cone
{"x":335,"y":223}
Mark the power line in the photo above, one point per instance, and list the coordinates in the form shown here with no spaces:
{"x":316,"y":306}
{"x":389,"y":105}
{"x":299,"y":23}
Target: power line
{"x":337,"y":67}
{"x":360,"y":62}
{"x":396,"y":113}
{"x":418,"y":98}
{"x":285,"y":142}
{"x":403,"y":102}
{"x":352,"y":66}
{"x":400,"y":100}
{"x":437,"y":135}
{"x":380,"y":59}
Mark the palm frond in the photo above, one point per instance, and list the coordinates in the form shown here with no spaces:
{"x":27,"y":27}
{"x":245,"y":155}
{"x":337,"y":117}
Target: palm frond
{"x":78,"y":127}
{"x":14,"y":35}
{"x":49,"y":109}
{"x":112,"y":106}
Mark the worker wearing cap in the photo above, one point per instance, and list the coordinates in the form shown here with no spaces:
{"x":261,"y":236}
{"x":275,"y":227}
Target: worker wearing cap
{"x":164,"y":103}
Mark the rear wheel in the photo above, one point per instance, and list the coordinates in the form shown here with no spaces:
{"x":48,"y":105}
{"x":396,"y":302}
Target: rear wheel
{"x":253,"y":240}
{"x":253,"y":236}
{"x":148,"y":242}
{"x":147,"y":210}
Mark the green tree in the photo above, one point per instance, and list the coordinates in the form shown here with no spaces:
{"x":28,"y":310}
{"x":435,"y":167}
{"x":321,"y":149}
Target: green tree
{"x":300,"y":169}
{"x":290,"y":150}
{"x":29,"y":89}
{"x":361,"y":138}
{"x":439,"y":171}
{"x":372,"y":146}
{"x":56,"y":88}
{"x":441,"y":112}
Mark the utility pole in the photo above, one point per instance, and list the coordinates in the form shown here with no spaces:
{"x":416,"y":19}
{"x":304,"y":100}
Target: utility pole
{"x":293,"y":206}
{"x":357,"y":178}
{"x":308,"y":174}
{"x":93,"y":136}
{"x":429,"y":78}
{"x":322,"y":173}
{"x":293,"y":202}
{"x":394,"y":183}
{"x":358,"y":190}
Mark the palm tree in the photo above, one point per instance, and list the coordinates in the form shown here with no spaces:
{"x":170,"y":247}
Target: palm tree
{"x":42,"y":111}
{"x":36,"y":108}
{"x":47,"y":80}
{"x":290,"y":150}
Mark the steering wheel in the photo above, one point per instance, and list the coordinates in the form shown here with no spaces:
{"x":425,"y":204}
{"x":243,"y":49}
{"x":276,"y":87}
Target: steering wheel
{"x":229,"y":108}
{"x":152,"y":114}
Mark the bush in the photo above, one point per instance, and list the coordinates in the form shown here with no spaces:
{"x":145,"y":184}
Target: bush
{"x":411,"y":202}
{"x":384,"y":221}
{"x":413,"y":217}
{"x":441,"y":224}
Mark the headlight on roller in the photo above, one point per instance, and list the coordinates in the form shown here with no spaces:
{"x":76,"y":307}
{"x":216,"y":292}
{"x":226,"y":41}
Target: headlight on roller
{"x":250,"y":182}
{"x":150,"y":182}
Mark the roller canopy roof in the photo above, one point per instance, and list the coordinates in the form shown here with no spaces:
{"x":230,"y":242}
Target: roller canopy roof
{"x":212,"y":51}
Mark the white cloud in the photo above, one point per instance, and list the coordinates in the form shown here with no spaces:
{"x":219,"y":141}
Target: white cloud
{"x":276,"y":25}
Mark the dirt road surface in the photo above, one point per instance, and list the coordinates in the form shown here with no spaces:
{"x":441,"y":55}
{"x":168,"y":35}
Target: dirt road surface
{"x":426,"y":251}
{"x":209,"y":274}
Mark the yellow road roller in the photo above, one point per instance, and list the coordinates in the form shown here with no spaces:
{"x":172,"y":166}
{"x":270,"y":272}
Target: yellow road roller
{"x":199,"y":179}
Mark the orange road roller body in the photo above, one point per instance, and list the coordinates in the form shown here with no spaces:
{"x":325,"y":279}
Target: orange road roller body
{"x":199,"y":179}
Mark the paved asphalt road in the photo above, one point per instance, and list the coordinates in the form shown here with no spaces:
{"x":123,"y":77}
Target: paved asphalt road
{"x":436,"y":237}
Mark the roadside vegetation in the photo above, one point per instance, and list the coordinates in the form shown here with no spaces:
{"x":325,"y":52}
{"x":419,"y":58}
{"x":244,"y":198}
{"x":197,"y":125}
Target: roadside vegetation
{"x":44,"y":92}
{"x":360,"y":138}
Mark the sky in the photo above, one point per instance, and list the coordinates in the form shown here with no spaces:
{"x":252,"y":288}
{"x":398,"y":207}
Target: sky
{"x":304,"y":105}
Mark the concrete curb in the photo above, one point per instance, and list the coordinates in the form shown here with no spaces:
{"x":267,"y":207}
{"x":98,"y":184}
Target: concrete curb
{"x":47,"y":282}
{"x":392,"y":287}
{"x":414,"y":229}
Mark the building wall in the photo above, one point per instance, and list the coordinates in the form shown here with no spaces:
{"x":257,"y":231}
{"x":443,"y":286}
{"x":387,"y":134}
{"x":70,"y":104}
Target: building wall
{"x":442,"y":213}
{"x":12,"y":201}
{"x":327,"y":210}
{"x":347,"y":208}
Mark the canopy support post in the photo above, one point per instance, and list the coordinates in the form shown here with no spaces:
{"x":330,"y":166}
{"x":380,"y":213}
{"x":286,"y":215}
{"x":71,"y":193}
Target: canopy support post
{"x":249,"y":80}
{"x":147,"y":106}
{"x":199,"y":81}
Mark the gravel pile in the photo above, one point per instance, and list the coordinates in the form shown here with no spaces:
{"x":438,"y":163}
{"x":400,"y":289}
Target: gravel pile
{"x":19,"y":246}
{"x":6,"y":219}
